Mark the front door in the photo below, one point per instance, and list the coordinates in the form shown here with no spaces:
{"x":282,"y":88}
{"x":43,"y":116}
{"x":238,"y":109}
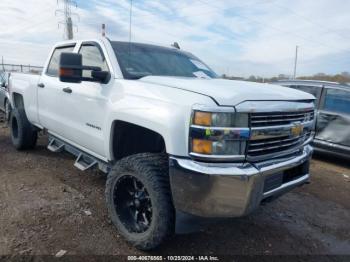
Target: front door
{"x":74,"y":112}
{"x":85,"y":104}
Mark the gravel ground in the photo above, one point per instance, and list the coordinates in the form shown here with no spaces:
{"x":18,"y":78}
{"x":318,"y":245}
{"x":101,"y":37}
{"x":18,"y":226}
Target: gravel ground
{"x":47,"y":205}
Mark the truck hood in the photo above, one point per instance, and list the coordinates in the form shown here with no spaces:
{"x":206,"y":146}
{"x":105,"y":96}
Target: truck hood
{"x":230,"y":92}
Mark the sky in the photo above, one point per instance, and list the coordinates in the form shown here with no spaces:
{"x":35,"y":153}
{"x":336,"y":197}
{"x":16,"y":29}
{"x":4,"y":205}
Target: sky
{"x":239,"y":38}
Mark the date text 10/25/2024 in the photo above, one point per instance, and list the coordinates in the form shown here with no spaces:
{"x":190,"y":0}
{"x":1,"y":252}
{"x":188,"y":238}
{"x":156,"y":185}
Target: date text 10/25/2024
{"x":173,"y":258}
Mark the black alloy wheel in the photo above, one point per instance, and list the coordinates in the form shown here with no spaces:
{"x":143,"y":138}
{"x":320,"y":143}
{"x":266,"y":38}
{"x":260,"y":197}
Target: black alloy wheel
{"x":133,"y":204}
{"x":139,"y":200}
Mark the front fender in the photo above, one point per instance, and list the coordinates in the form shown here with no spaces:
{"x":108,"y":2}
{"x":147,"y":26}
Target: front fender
{"x":168,"y":117}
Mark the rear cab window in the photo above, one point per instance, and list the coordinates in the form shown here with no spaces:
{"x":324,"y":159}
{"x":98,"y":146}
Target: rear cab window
{"x":52,"y":68}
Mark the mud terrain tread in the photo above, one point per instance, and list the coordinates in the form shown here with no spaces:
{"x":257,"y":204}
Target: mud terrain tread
{"x":153,"y":169}
{"x":27,"y":135}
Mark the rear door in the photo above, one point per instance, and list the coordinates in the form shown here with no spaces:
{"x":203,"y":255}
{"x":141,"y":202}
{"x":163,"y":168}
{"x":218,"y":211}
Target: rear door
{"x":333,"y":122}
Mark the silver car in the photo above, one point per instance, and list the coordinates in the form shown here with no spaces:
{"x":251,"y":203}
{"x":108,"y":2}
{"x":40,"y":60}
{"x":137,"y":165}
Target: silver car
{"x":333,"y":114}
{"x":5,"y":104}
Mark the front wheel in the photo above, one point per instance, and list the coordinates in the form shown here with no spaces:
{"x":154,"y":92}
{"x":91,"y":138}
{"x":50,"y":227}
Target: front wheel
{"x":139,"y":200}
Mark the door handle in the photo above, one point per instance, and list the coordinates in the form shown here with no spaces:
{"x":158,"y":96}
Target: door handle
{"x":41,"y":85}
{"x":67,"y":90}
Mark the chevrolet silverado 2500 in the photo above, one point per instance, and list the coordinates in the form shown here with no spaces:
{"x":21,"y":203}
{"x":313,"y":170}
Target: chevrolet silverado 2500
{"x":169,"y":133}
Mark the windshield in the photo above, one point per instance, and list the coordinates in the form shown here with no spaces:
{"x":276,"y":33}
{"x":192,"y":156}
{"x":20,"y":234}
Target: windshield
{"x":140,"y":60}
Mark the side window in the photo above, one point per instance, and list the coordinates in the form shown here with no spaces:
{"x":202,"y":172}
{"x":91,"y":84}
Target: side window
{"x":337,"y":100}
{"x":52,"y":69}
{"x":92,"y":56}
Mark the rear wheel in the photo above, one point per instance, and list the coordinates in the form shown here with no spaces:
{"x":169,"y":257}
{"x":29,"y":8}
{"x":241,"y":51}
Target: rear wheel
{"x":23,"y":133}
{"x":139,"y":200}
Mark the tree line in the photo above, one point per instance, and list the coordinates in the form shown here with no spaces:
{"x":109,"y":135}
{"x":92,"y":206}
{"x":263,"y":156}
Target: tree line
{"x":342,"y":78}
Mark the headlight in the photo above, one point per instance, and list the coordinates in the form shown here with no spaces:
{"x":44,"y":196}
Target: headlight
{"x":220,"y":119}
{"x":218,"y":135}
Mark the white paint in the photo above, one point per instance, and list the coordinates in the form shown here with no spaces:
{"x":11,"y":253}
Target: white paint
{"x":161,"y":104}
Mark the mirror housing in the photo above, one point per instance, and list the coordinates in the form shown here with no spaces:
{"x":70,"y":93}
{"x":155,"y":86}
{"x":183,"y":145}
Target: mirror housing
{"x":3,"y":84}
{"x":71,"y":70}
{"x":101,"y":76}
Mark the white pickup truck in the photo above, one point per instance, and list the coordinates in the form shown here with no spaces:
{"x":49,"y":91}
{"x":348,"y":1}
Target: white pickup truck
{"x":171,"y":135}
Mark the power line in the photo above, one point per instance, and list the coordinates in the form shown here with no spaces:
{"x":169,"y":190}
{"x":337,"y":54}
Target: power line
{"x":318,"y":25}
{"x":206,"y":12}
{"x":247,"y":18}
{"x":175,"y":10}
{"x":242,"y":39}
{"x":275,"y":28}
{"x":239,"y":38}
{"x":195,"y":15}
{"x":183,"y":16}
{"x":67,"y":16}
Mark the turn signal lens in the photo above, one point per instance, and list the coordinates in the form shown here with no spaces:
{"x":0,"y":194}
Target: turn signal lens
{"x":66,"y":72}
{"x":202,"y":118}
{"x":202,"y":146}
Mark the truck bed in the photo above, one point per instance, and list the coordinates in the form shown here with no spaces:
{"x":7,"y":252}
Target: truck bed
{"x":26,"y":85}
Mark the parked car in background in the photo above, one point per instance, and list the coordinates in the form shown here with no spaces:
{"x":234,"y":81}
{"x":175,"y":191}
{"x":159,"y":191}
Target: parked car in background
{"x":5,"y":104}
{"x":333,"y":117}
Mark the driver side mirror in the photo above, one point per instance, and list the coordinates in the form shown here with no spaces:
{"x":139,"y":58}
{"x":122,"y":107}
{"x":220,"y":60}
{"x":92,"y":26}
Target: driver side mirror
{"x":71,"y":70}
{"x":3,"y":84}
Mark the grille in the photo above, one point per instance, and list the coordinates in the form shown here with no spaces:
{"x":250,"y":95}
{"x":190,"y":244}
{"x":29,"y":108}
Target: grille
{"x":266,"y":147}
{"x":280,"y":118}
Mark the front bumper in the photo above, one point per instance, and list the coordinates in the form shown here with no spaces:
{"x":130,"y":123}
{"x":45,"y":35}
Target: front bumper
{"x":233,"y":190}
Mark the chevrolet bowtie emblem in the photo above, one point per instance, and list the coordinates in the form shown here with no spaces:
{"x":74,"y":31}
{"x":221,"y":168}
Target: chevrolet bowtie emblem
{"x":297,"y":130}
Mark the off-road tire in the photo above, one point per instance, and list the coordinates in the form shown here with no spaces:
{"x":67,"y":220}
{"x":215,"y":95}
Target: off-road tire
{"x":152,"y":171}
{"x":23,"y":133}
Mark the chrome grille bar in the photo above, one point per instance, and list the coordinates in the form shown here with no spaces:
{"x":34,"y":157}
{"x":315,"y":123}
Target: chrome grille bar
{"x":269,"y":140}
{"x":274,"y":147}
{"x":278,"y":129}
{"x":280,"y":118}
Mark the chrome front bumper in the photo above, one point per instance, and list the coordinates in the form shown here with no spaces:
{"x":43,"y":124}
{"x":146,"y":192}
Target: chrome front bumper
{"x":232,"y":190}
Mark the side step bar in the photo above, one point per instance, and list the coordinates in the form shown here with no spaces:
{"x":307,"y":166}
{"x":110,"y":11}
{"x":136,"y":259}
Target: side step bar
{"x":55,"y":146}
{"x":84,"y":161}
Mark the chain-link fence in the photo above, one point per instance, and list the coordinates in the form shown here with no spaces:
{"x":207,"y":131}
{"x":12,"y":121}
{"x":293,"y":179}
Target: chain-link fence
{"x":30,"y":69}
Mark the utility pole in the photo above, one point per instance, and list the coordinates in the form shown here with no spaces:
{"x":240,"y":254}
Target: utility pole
{"x":295,"y":62}
{"x":69,"y":29}
{"x":103,"y":30}
{"x":67,"y":14}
